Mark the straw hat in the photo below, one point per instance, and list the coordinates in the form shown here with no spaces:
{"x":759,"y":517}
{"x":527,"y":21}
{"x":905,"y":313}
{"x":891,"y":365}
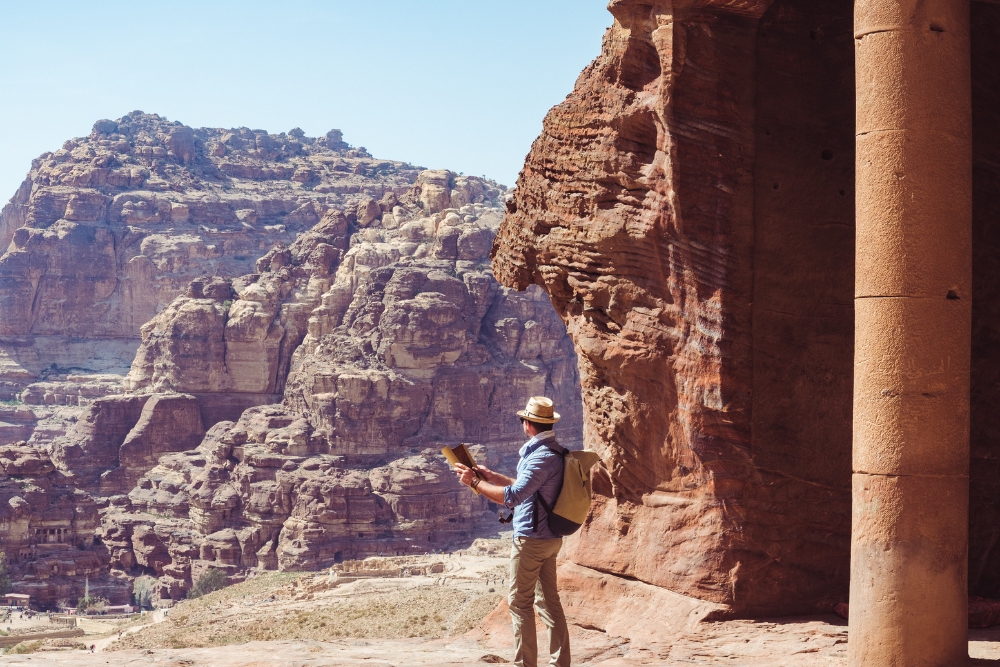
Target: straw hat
{"x":539,"y":410}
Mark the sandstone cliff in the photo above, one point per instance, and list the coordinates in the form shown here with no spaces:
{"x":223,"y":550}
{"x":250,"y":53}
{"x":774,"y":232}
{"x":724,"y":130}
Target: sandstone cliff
{"x":686,"y":210}
{"x":105,"y":232}
{"x":409,"y":342}
{"x":690,"y":211}
{"x":48,"y":530}
{"x":305,"y":326}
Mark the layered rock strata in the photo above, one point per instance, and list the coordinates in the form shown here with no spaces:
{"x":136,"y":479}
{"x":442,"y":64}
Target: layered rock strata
{"x":105,"y":232}
{"x":635,"y":213}
{"x":689,"y":210}
{"x":48,"y":531}
{"x":263,"y":493}
{"x":305,"y":326}
{"x":408,"y":342}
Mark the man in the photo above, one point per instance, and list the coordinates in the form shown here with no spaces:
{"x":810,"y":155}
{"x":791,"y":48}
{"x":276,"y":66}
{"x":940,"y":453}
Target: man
{"x":533,"y":555}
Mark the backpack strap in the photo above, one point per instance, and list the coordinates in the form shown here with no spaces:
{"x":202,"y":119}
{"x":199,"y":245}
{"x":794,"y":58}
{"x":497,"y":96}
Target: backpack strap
{"x":537,"y":495}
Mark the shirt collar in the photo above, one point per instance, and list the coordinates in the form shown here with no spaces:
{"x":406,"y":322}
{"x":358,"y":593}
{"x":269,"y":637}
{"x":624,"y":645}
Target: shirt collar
{"x":532,"y":444}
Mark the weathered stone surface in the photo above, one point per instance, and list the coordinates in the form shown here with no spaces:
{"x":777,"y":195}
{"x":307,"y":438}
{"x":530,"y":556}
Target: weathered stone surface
{"x":119,"y":438}
{"x":388,"y":347}
{"x":329,"y":346}
{"x":107,"y":231}
{"x":239,"y":338}
{"x":93,"y":444}
{"x":266,"y":493}
{"x":395,"y":346}
{"x":47,"y":530}
{"x":635,"y":212}
{"x":690,"y":211}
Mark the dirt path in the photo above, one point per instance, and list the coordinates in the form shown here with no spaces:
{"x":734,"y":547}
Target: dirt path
{"x":101,"y":644}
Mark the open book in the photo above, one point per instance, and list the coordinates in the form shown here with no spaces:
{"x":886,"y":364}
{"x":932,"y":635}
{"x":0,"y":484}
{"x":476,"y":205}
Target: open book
{"x":460,"y":454}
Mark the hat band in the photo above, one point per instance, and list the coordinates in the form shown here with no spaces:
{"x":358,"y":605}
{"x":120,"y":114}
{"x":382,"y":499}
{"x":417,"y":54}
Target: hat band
{"x":535,"y":414}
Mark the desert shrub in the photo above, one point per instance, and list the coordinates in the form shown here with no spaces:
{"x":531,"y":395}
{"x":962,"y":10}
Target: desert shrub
{"x":86,"y":604}
{"x":210,"y":580}
{"x":25,"y":647}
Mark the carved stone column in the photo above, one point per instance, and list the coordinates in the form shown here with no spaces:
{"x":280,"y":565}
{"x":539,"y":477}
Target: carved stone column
{"x":912,"y":334}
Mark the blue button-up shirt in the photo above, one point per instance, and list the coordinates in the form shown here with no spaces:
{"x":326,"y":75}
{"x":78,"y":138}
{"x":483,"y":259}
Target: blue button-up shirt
{"x":540,"y":468}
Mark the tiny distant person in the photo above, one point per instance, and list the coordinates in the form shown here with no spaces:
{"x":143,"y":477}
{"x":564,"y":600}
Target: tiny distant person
{"x":533,"y":554}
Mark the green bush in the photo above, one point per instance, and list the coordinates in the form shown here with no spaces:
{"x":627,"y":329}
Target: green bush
{"x":5,"y":584}
{"x":142,"y":591}
{"x":94,"y":603}
{"x":210,"y":580}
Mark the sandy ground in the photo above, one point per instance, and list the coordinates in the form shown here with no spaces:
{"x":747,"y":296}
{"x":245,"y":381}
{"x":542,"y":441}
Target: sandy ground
{"x":301,"y":614}
{"x":805,"y":642}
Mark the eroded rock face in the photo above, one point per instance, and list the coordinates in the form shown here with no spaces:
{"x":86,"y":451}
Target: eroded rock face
{"x":113,"y":226}
{"x":281,"y":274}
{"x":406,"y":340}
{"x":403,"y":341}
{"x":690,"y":211}
{"x":48,"y":528}
{"x":653,"y":210}
{"x":266,"y":493}
{"x":107,"y":231}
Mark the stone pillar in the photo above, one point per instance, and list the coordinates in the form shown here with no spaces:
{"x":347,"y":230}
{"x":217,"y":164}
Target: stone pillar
{"x":909,"y":546}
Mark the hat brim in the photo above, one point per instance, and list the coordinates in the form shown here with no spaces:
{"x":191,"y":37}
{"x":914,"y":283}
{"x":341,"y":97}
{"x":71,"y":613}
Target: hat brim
{"x":523,"y":414}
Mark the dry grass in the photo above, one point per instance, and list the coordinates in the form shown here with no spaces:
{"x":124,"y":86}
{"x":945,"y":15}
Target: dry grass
{"x":24,"y":647}
{"x":65,"y":644}
{"x":132,"y":621}
{"x":272,"y":607}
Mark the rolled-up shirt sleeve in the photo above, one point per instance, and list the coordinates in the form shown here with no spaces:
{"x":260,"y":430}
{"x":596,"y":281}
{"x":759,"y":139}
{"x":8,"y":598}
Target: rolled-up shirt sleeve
{"x":530,"y":480}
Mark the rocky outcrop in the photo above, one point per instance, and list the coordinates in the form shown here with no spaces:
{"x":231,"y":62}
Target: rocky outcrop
{"x":380,"y":344}
{"x":678,"y":235}
{"x":305,"y":327}
{"x":409,"y":339}
{"x":48,"y":528}
{"x":106,"y":231}
{"x":690,"y":211}
{"x":119,"y":438}
{"x":265,"y":493}
{"x":113,"y":226}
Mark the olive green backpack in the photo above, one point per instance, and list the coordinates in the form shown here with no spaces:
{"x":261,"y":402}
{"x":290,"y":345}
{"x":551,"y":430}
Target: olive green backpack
{"x":572,"y":504}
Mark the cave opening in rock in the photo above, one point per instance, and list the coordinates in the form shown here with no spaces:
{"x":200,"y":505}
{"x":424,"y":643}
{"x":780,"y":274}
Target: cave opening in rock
{"x":803,"y":282}
{"x":804,"y":259}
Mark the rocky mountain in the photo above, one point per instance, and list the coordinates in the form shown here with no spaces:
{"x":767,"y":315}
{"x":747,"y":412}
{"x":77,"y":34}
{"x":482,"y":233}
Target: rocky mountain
{"x":105,"y":232}
{"x":247,"y":354}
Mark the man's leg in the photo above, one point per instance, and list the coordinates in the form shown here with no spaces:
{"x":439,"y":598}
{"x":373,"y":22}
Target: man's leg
{"x":526,"y":557}
{"x":550,"y":608}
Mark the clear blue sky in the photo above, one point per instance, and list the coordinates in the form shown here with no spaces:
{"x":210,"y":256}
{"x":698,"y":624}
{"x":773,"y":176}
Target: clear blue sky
{"x":451,"y":84}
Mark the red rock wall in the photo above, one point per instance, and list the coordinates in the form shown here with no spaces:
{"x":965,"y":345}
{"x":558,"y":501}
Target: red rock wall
{"x":803,"y":302}
{"x":984,"y":481}
{"x":690,"y":211}
{"x":636,"y":213}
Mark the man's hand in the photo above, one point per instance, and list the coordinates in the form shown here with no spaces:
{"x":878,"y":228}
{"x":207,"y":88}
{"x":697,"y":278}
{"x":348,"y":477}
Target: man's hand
{"x":465,"y":474}
{"x":491,"y":488}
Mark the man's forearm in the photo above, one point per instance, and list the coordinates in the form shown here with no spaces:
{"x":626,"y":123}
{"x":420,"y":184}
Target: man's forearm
{"x":502,"y":480}
{"x":491,"y":492}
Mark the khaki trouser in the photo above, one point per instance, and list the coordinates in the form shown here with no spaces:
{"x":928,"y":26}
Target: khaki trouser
{"x":533,"y":578}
